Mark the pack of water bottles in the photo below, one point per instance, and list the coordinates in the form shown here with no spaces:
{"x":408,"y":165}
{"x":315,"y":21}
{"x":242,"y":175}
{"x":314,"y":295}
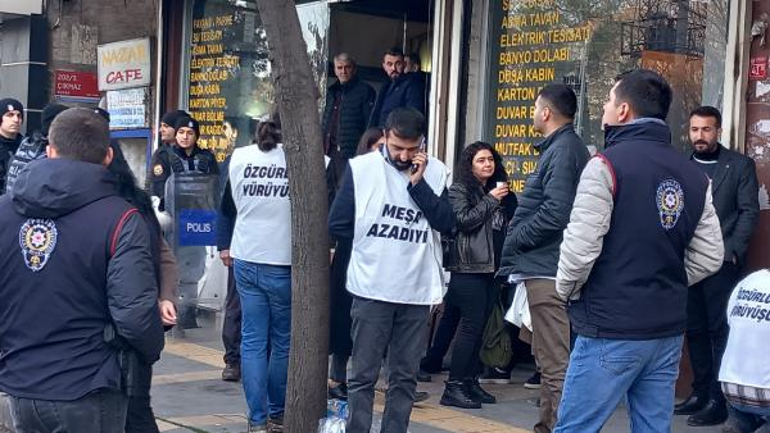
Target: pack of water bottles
{"x":336,"y":416}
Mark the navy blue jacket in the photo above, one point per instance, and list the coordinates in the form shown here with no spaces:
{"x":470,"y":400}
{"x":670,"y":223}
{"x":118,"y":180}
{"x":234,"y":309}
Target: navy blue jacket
{"x":407,"y":91}
{"x":532,"y":244}
{"x":637,"y":289}
{"x":84,"y":264}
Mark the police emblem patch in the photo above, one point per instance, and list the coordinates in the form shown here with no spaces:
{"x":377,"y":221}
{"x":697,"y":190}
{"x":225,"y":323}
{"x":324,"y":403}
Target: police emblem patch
{"x":157,"y":170}
{"x":37,"y":239}
{"x":670,"y":201}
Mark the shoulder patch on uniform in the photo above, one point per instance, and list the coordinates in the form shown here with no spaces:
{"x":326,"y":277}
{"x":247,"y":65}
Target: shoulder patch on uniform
{"x":670,"y":201}
{"x":37,"y":238}
{"x":157,"y":169}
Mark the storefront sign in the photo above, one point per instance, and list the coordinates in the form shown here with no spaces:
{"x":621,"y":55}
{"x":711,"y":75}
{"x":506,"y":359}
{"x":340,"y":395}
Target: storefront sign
{"x":75,"y":84}
{"x":124,"y":64}
{"x":531,"y":45}
{"x":127,"y":108}
{"x":758,"y":68}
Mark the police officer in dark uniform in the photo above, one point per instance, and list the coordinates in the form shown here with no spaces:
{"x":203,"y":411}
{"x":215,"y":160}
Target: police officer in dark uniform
{"x":184,"y":157}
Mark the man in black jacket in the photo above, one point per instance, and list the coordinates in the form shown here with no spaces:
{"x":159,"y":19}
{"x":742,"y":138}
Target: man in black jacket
{"x":402,"y":91}
{"x":349,"y":104}
{"x":735,"y":192}
{"x":531,"y":250}
{"x":78,"y":286}
{"x":10,"y":134}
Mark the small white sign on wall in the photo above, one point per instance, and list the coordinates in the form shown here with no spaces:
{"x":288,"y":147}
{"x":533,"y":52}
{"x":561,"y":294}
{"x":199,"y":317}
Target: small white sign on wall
{"x":124,"y":64}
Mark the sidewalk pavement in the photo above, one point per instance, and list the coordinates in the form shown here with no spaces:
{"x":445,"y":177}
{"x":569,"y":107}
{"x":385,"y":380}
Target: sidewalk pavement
{"x":190,"y":397}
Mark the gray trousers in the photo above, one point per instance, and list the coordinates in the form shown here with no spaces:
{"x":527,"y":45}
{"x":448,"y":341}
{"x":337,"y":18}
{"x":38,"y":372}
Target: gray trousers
{"x":399,"y":330}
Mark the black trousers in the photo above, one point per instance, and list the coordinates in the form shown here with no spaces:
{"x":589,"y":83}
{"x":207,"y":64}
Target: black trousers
{"x":140,"y":417}
{"x":471,"y":296}
{"x":100,"y":411}
{"x":231,"y":326}
{"x":707,"y":328}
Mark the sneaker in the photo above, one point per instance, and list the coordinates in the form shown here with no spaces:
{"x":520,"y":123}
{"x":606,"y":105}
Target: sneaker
{"x":339,"y":392}
{"x":261,"y":428}
{"x":275,"y":425}
{"x":533,"y":382}
{"x":231,"y":373}
{"x":423,"y":376}
{"x":495,"y":376}
{"x":420,"y":396}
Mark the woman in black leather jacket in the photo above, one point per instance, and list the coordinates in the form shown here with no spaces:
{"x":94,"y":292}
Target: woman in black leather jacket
{"x":483,"y":205}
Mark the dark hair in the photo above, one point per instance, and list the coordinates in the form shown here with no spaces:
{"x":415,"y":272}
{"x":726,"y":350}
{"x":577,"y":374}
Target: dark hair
{"x":406,"y":123}
{"x":646,"y":92}
{"x":269,"y":133}
{"x":708,"y":111}
{"x":137,"y":197}
{"x":561,"y":98}
{"x":80,"y":134}
{"x":370,"y":137}
{"x":394,"y":51}
{"x":414,"y":58}
{"x":464,"y":172}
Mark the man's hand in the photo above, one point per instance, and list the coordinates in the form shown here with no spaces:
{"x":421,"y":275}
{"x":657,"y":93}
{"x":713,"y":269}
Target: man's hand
{"x":500,"y":192}
{"x":224,"y":255}
{"x":167,"y":312}
{"x":421,"y":161}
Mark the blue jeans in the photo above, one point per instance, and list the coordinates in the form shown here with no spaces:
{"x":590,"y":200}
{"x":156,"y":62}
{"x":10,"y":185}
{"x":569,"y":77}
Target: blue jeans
{"x":747,"y":419}
{"x":602,"y":371}
{"x":265,"y":292}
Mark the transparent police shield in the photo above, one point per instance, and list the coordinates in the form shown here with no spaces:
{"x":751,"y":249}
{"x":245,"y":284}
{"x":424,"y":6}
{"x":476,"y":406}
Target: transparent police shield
{"x":192,"y":200}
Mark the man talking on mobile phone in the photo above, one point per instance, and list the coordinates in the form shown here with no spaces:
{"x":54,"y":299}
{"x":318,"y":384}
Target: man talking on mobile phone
{"x":393,"y":205}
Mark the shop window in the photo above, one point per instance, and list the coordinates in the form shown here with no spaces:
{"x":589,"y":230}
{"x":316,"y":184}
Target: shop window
{"x":229,"y":84}
{"x":586,"y":44}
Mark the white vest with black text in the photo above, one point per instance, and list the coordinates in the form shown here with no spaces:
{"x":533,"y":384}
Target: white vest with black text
{"x":396,"y":255}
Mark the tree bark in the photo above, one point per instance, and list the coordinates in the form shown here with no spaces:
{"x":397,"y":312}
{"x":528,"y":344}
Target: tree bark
{"x":300,"y":123}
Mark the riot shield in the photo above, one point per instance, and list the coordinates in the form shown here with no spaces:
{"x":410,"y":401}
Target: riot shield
{"x":192,"y":200}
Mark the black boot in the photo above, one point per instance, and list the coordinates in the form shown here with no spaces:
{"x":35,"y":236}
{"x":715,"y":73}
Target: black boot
{"x":457,"y":395}
{"x":714,"y":413}
{"x":477,"y":393}
{"x":694,"y":403}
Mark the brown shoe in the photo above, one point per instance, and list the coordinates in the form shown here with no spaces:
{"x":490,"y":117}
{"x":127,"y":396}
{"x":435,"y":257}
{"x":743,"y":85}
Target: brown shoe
{"x":231,"y":373}
{"x":275,"y":425}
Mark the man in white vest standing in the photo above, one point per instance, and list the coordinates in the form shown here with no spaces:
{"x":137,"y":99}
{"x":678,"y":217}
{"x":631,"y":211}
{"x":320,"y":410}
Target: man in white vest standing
{"x":393,"y":204}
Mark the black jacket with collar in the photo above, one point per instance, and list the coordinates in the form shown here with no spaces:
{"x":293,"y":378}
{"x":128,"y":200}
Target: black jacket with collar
{"x":472,"y":249}
{"x":356,"y":99}
{"x":735,"y":190}
{"x":534,"y":235}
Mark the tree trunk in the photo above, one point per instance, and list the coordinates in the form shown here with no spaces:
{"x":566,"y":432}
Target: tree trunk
{"x":296,"y":98}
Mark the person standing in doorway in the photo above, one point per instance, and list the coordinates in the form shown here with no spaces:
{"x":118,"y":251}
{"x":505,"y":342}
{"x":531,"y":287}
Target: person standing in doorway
{"x":401,"y":91}
{"x":531,"y":250}
{"x":735,"y":193}
{"x":392,"y":205}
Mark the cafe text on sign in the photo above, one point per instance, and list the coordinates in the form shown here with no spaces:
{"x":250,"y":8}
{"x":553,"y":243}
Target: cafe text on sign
{"x":124,"y":64}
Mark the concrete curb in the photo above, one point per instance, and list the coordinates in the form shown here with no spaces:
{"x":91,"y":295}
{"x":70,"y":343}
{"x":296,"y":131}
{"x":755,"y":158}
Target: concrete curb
{"x":6,"y":425}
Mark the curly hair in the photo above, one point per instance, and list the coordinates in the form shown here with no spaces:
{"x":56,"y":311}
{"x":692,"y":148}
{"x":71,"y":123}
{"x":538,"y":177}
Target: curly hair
{"x":464,"y":172}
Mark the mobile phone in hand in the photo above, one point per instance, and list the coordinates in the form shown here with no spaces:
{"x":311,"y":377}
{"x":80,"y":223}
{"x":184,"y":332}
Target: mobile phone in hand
{"x":422,"y":149}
